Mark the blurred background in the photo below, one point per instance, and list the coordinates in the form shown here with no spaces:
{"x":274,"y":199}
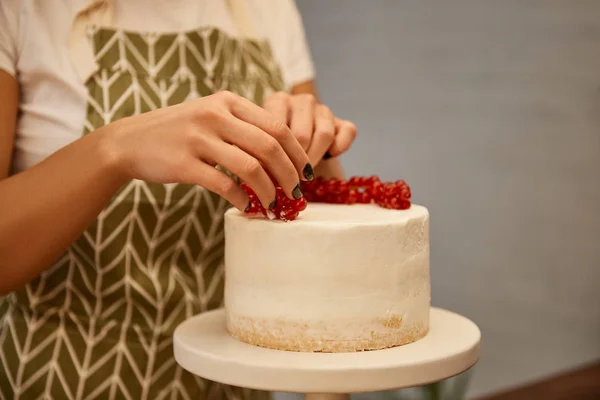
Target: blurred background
{"x":491,"y":112}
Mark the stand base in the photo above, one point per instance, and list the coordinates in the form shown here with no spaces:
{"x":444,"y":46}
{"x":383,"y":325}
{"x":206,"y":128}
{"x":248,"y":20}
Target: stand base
{"x":203,"y":347}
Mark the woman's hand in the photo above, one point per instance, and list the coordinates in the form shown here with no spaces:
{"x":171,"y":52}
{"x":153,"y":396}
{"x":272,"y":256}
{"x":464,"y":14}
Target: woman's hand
{"x":314,"y":125}
{"x":185,"y":142}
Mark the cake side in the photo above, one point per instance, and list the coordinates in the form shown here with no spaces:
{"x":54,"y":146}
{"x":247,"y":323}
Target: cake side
{"x":326,"y":336}
{"x":341,"y":278}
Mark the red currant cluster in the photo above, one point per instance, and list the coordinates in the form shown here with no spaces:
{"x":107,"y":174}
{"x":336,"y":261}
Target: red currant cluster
{"x":285,"y":209}
{"x":358,"y":189}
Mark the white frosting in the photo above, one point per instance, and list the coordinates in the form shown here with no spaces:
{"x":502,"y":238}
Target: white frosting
{"x":342,"y":273}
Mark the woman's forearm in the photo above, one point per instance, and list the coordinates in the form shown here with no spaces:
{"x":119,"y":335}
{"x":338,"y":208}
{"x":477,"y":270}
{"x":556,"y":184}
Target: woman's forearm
{"x":45,"y":208}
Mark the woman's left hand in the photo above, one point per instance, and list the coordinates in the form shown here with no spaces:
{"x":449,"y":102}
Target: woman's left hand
{"x":316,"y":128}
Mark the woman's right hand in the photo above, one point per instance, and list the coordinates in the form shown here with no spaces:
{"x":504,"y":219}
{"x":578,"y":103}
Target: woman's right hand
{"x":184,"y":143}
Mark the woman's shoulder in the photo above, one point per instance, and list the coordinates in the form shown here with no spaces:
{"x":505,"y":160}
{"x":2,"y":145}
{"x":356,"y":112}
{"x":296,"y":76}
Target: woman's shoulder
{"x":51,"y":9}
{"x":279,"y":20}
{"x":19,"y":16}
{"x":282,"y":24}
{"x":24,"y":21}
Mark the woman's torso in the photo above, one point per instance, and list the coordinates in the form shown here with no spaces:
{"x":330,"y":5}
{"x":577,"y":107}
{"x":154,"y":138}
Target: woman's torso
{"x":98,"y":323}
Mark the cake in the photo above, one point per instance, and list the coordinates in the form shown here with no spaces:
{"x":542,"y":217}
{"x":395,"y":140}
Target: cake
{"x":339,"y":278}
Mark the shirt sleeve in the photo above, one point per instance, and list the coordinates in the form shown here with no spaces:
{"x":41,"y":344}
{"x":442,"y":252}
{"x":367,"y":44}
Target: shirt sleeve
{"x":297,"y":62}
{"x":9,"y":34}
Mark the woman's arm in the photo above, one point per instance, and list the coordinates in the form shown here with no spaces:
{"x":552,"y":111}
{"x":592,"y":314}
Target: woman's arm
{"x":9,"y":97}
{"x":45,"y":208}
{"x":330,"y":168}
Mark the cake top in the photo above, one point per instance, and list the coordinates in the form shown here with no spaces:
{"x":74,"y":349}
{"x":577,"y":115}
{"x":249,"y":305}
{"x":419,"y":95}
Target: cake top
{"x":341,"y":214}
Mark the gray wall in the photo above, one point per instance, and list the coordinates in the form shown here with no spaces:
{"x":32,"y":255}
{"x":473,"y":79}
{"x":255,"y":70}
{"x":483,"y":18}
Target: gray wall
{"x":491,"y":111}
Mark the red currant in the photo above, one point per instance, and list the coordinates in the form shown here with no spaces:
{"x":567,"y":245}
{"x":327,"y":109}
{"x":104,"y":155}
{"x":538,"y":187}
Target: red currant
{"x":288,"y":214}
{"x":320,"y":192}
{"x":301,"y":204}
{"x":332,"y":186}
{"x":364,"y":198}
{"x":343,"y":186}
{"x":372,"y":180}
{"x":375,"y":189}
{"x":353,"y":182}
{"x":352,"y":196}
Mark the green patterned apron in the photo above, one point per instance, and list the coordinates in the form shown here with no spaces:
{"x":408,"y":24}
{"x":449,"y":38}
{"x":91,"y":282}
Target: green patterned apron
{"x":99,"y":323}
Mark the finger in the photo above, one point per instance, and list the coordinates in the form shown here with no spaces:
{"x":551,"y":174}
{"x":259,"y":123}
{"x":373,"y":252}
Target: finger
{"x":324,"y":134}
{"x":244,"y":166}
{"x":278,"y":104}
{"x":302,"y":121}
{"x":345,"y":135}
{"x":255,"y":115}
{"x":267,"y":150}
{"x":202,"y":174}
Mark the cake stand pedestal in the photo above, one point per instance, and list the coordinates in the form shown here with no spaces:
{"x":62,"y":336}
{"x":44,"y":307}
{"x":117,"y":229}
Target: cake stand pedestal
{"x":203,"y":347}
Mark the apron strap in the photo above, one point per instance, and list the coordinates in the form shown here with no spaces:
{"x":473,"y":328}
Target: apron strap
{"x":94,"y":12}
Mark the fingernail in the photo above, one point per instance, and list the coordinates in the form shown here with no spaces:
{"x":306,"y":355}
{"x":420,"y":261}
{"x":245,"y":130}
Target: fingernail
{"x":297,"y":193}
{"x":247,"y":209}
{"x":273,"y":204}
{"x":308,"y":172}
{"x":327,"y":156}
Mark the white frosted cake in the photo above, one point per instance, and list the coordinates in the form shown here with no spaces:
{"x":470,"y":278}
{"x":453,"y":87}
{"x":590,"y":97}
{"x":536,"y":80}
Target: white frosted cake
{"x":340,"y":278}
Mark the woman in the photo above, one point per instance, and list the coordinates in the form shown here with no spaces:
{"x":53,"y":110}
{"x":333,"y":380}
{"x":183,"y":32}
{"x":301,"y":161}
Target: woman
{"x":114,"y":115}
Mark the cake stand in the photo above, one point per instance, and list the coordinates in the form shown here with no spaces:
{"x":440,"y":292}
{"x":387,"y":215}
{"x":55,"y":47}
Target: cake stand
{"x":203,"y":347}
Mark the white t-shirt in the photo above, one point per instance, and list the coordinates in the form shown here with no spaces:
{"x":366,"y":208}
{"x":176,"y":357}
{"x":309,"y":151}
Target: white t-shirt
{"x":34,"y":47}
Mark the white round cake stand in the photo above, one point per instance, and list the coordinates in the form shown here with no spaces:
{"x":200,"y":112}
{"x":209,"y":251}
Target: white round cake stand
{"x":203,"y":347}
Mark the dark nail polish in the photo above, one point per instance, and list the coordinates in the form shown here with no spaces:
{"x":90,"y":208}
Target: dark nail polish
{"x":327,"y":156}
{"x":273,"y":204}
{"x":297,"y":193}
{"x":308,"y":172}
{"x":247,"y":209}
